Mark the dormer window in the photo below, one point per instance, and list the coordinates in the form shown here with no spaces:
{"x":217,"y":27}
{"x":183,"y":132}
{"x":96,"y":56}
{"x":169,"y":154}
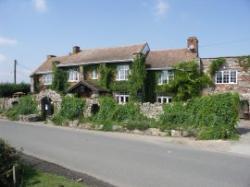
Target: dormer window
{"x":165,"y":77}
{"x":122,"y":72}
{"x":73,"y":75}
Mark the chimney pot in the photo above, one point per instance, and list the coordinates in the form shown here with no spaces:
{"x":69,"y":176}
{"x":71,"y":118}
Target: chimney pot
{"x":76,"y":49}
{"x":50,"y":56}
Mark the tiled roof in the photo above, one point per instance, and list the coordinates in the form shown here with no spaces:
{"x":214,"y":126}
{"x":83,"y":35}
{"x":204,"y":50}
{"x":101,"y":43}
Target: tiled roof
{"x":168,"y":58}
{"x":88,"y":56}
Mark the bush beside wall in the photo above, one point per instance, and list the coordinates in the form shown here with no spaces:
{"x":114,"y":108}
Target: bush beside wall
{"x":26,"y":105}
{"x":211,"y":117}
{"x":71,"y":109}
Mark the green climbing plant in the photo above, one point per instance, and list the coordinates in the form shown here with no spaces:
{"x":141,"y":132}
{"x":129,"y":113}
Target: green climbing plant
{"x":188,"y":81}
{"x":216,"y":65}
{"x":60,"y":79}
{"x":137,"y":78}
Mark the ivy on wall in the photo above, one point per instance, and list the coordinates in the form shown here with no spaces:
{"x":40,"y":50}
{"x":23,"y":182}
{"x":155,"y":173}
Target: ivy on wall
{"x":60,"y":79}
{"x":244,"y":62}
{"x":150,"y":86}
{"x":216,"y":65}
{"x":106,"y":75}
{"x":120,"y":86}
{"x":188,"y":82}
{"x":137,"y":78}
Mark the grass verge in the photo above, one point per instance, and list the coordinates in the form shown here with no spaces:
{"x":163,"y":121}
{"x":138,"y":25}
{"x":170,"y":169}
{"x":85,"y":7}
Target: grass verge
{"x":36,"y":178}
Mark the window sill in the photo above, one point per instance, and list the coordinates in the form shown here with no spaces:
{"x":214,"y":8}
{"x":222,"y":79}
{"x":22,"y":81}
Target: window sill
{"x":73,"y":80}
{"x":226,"y":83}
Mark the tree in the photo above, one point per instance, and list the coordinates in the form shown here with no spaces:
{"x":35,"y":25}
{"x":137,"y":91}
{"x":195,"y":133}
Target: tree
{"x":188,"y":81}
{"x":60,"y":78}
{"x":137,"y":77}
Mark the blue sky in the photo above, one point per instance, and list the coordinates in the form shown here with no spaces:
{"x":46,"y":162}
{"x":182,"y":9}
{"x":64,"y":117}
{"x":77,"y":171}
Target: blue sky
{"x":31,"y":29}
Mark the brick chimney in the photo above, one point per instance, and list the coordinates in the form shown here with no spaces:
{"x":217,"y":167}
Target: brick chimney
{"x":50,"y":56}
{"x":192,"y":44}
{"x":76,"y":49}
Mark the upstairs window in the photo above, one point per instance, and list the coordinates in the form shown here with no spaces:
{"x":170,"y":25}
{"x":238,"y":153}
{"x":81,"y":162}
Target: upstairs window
{"x":122,"y":72}
{"x":226,"y":77}
{"x":47,"y":79}
{"x":165,"y":77}
{"x":73,"y":75}
{"x":164,"y":99}
{"x":94,"y":74}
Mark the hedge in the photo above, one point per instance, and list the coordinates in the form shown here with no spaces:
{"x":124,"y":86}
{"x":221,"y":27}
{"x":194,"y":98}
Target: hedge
{"x":212,"y":117}
{"x":8,"y":89}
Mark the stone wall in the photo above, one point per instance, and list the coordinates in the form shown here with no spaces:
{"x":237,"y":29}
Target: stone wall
{"x":151,"y":110}
{"x":6,"y":103}
{"x":243,"y":78}
{"x":53,"y":95}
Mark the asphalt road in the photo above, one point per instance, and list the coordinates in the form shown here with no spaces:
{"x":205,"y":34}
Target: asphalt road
{"x":126,"y":161}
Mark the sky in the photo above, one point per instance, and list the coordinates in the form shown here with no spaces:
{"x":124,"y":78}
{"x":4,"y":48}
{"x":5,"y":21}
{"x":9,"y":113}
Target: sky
{"x":32,"y":29}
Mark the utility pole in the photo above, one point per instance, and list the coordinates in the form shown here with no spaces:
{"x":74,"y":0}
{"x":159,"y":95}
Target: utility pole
{"x":15,"y":63}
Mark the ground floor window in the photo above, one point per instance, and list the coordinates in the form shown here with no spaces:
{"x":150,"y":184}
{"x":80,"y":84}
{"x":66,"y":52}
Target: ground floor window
{"x":164,"y":99}
{"x":121,"y":98}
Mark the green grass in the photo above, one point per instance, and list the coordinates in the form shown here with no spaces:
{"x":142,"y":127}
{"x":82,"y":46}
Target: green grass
{"x":35,"y":178}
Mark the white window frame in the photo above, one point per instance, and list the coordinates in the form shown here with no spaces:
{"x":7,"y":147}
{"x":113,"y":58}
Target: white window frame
{"x":47,"y":79}
{"x":74,"y":75}
{"x":164,"y":99}
{"x":226,"y":75}
{"x":165,"y":77}
{"x":122,"y":72}
{"x":122,"y":98}
{"x":94,"y":74}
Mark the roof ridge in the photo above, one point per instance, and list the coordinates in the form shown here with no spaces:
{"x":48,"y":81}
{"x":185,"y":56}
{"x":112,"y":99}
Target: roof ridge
{"x":121,"y":46}
{"x":163,"y":50}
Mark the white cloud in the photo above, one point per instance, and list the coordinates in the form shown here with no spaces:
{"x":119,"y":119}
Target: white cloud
{"x":161,"y":8}
{"x":40,"y":5}
{"x":7,"y":41}
{"x":2,"y":57}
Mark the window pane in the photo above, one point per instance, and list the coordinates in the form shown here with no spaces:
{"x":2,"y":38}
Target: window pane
{"x":164,"y":100}
{"x":233,"y":76}
{"x":126,"y":99}
{"x":226,"y":77}
{"x":219,"y":77}
{"x":158,"y":99}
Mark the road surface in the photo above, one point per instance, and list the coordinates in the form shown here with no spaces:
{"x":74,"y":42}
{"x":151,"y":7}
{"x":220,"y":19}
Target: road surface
{"x":124,"y":161}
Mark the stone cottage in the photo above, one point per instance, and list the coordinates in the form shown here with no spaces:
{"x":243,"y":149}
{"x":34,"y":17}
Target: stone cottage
{"x":83,"y":66}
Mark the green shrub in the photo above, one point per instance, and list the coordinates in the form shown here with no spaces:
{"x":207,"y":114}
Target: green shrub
{"x":214,"y":117}
{"x":107,"y":107}
{"x":71,"y":109}
{"x":58,"y":119}
{"x":107,"y":126}
{"x":8,"y":89}
{"x":8,"y":158}
{"x":129,"y":111}
{"x":137,"y":124}
{"x":26,"y":105}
